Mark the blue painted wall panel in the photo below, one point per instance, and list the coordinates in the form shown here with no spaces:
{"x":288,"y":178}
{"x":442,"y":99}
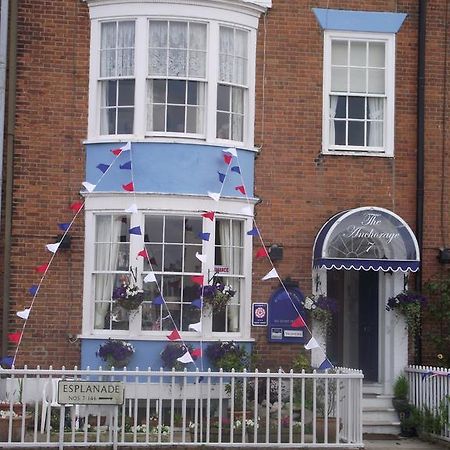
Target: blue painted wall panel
{"x":169,"y":168}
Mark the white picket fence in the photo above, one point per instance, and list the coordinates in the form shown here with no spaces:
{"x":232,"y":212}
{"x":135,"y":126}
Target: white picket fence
{"x":258,"y":409}
{"x":429,"y":390}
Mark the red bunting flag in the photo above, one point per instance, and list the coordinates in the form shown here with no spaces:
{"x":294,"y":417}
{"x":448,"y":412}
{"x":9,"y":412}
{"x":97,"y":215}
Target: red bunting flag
{"x":227,"y":158}
{"x":143,"y":253}
{"x":116,"y":151}
{"x":196,"y":353}
{"x":42,"y":269}
{"x":261,"y":253}
{"x":128,"y":187}
{"x":209,"y":215}
{"x":241,"y":189}
{"x":298,"y":322}
{"x":174,"y":336}
{"x":14,"y":337}
{"x":76,"y":206}
{"x":198,"y":279}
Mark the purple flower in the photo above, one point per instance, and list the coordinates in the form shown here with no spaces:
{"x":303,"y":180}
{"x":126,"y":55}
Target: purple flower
{"x":115,"y":352}
{"x":327,"y":304}
{"x":405,"y":298}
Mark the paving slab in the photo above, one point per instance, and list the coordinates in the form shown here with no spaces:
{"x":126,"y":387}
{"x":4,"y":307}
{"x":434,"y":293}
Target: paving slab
{"x":405,"y":444}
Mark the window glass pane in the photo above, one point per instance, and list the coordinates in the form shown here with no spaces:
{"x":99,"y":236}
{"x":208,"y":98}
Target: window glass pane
{"x":151,"y":317}
{"x":193,"y":93}
{"x":192,"y":120}
{"x":223,"y":97}
{"x":107,"y":63}
{"x":125,"y":120}
{"x":376,"y":81}
{"x":226,"y":68}
{"x":226,"y":44}
{"x":172,"y":288}
{"x":237,"y":100}
{"x":191,"y":262}
{"x":157,"y":34}
{"x":125,"y":37}
{"x":126,"y":93}
{"x":173,"y":255}
{"x":356,"y":107}
{"x":155,"y":255}
{"x":339,"y":132}
{"x":125,"y":63}
{"x":109,"y":92}
{"x":376,"y":54}
{"x":159,"y":91}
{"x":237,"y":127}
{"x":157,"y":62}
{"x":223,"y":125}
{"x":193,"y":226}
{"x":108,"y":37}
{"x":357,"y":80}
{"x":108,"y":121}
{"x":355,"y":133}
{"x":175,"y":119}
{"x":153,"y":229}
{"x":178,"y":35}
{"x":358,"y":52}
{"x":341,"y":107}
{"x":375,"y":134}
{"x":197,"y":64}
{"x":339,"y":79}
{"x":176,"y":92}
{"x":197,"y":36}
{"x":159,"y":115}
{"x":123,"y":259}
{"x":240,"y":43}
{"x":339,"y":53}
{"x":174,"y":229}
{"x":177,"y":63}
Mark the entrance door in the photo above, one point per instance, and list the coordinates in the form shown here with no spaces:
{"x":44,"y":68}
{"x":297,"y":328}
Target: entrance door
{"x":353,"y":341}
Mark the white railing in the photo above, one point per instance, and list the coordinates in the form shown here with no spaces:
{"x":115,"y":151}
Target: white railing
{"x":429,"y":392}
{"x":229,"y":409}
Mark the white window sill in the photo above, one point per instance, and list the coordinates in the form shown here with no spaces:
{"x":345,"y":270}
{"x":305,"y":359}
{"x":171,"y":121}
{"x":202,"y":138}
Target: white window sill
{"x":357,"y":153}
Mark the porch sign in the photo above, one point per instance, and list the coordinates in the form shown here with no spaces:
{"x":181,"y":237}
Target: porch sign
{"x":283,"y":311}
{"x":78,"y":392}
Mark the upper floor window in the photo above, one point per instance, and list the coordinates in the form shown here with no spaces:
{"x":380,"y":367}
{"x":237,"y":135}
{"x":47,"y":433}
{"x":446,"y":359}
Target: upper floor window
{"x":358,"y":94}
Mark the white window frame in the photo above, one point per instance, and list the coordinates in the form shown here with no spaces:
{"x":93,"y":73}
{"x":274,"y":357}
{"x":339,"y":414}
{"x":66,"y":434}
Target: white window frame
{"x":389,"y":111}
{"x":244,"y":16}
{"x":159,"y":204}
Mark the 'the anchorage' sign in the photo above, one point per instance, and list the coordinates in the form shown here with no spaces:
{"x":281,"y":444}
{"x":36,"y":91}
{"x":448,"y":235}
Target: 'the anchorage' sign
{"x":90,"y":392}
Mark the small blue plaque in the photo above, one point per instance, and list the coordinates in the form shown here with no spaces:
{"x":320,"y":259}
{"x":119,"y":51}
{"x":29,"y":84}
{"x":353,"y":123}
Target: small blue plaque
{"x":259,"y":314}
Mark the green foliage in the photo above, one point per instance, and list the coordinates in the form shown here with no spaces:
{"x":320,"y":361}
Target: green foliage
{"x":301,"y":362}
{"x":401,"y":387}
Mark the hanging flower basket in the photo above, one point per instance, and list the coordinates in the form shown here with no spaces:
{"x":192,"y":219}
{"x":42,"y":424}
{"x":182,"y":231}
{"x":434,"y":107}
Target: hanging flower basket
{"x":128,"y":295}
{"x":172,"y":351}
{"x":322,"y":309}
{"x":116,"y":353}
{"x":217,"y":296}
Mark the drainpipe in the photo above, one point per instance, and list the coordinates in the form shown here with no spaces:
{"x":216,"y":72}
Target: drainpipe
{"x":420,"y":152}
{"x":10,"y":126}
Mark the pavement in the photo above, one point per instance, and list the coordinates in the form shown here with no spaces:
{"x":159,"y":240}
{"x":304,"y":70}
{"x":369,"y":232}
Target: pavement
{"x":405,"y":444}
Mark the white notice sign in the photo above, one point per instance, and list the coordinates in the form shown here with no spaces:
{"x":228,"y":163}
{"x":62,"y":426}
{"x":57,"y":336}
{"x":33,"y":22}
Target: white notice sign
{"x":90,"y":392}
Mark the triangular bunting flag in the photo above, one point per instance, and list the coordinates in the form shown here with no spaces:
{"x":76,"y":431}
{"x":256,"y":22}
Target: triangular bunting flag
{"x":132,"y":208}
{"x":76,"y":206}
{"x":42,"y":269}
{"x":53,"y":247}
{"x":209,"y":215}
{"x":63,"y":226}
{"x":196,"y":353}
{"x":221,"y":176}
{"x":204,"y":236}
{"x":14,"y":337}
{"x":272,"y":274}
{"x":235,"y":169}
{"x":23,"y":314}
{"x":33,"y":289}
{"x":135,"y":230}
{"x":143,"y":253}
{"x":196,"y":327}
{"x":214,"y":195}
{"x":231,"y":151}
{"x":126,"y":147}
{"x":325,"y":365}
{"x":227,"y":158}
{"x":116,"y":151}
{"x":158,"y":300}
{"x":197,"y":303}
{"x":200,"y":257}
{"x":150,"y":277}
{"x":174,"y":336}
{"x":198,"y":279}
{"x":126,"y":165}
{"x":186,"y":358}
{"x":312,"y":343}
{"x":253,"y":232}
{"x":298,"y":322}
{"x":247,"y":210}
{"x":7,"y":361}
{"x":89,"y":186}
{"x":102,"y":167}
{"x":261,"y":253}
{"x":240,"y":188}
{"x":128,"y":187}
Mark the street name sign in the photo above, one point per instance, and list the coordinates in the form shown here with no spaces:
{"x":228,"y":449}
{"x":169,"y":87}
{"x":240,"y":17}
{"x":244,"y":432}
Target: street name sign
{"x":78,"y":392}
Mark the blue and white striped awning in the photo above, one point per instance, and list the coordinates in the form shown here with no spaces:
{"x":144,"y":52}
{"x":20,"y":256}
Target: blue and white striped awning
{"x":368,"y":238}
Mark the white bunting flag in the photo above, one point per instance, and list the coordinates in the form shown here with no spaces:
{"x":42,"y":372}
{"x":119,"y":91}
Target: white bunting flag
{"x":23,"y":314}
{"x":200,"y":257}
{"x":196,"y":327}
{"x":272,"y":274}
{"x":186,"y":358}
{"x":53,"y":247}
{"x":133,"y":209}
{"x":150,"y":277}
{"x":126,"y":147}
{"x":247,"y":211}
{"x":311,"y":344}
{"x":231,"y":151}
{"x":214,"y":195}
{"x":89,"y":186}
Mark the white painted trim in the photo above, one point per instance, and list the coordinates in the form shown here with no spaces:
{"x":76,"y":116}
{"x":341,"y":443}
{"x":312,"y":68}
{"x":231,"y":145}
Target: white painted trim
{"x":389,"y":119}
